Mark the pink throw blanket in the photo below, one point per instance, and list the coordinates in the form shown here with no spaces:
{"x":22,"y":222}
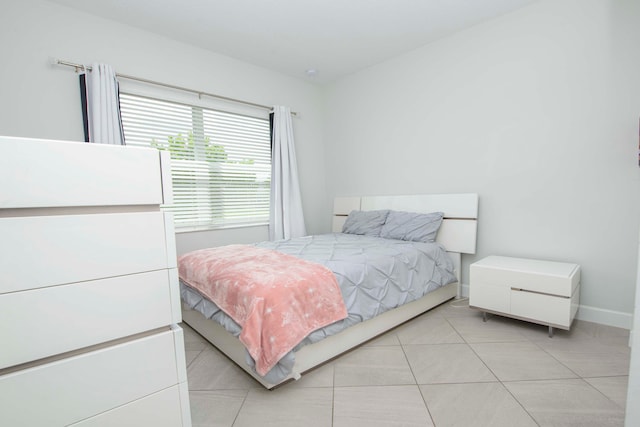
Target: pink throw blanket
{"x":276,"y":298}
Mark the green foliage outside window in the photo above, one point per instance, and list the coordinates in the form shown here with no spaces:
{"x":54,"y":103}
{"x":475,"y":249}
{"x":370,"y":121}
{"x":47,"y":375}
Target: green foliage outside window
{"x":184,"y":148}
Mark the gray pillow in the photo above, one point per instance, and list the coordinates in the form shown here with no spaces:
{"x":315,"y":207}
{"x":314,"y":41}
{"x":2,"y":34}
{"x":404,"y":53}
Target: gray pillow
{"x":412,"y":226}
{"x":365,"y":222}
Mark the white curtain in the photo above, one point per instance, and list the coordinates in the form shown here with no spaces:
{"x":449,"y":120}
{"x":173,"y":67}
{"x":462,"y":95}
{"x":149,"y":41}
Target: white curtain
{"x":103,"y":105}
{"x":286,"y":219}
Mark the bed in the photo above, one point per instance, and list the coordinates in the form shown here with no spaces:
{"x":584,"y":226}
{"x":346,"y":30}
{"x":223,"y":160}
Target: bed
{"x":456,"y":236}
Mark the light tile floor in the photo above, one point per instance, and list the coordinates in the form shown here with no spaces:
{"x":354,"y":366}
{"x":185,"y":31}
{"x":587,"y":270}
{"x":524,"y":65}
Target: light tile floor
{"x":444,"y":368}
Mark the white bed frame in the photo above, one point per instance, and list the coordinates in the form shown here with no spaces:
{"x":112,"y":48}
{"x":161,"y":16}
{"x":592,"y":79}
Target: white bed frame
{"x":457,"y":234}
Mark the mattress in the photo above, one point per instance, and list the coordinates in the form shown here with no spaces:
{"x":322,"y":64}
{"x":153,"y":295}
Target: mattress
{"x":375,"y":275}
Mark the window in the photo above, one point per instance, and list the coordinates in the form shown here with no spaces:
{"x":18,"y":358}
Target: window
{"x":220,"y":162}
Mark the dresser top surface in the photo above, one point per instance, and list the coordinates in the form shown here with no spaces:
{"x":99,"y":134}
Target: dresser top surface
{"x":549,"y":268}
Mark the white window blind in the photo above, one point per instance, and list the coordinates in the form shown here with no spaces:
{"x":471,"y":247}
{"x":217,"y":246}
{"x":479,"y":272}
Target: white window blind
{"x":220,"y":162}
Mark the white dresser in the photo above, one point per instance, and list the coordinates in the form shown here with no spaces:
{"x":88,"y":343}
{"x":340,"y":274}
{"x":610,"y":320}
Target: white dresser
{"x":543,"y":292}
{"x":89,"y":300}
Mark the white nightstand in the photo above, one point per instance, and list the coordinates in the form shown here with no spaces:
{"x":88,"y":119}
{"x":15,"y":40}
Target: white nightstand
{"x":543,"y":292}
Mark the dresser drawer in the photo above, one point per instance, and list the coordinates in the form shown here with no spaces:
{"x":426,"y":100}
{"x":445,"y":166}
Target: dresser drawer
{"x":54,"y":320}
{"x":55,"y":250}
{"x":73,"y":389}
{"x":162,"y":409}
{"x":45,"y":173}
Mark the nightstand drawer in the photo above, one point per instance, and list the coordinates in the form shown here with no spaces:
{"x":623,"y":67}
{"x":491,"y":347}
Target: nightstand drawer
{"x":490,"y":296}
{"x":546,"y":309}
{"x":547,"y":277}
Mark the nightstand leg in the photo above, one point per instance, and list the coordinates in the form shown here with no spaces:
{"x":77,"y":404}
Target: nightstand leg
{"x":484,"y":316}
{"x":550,"y":331}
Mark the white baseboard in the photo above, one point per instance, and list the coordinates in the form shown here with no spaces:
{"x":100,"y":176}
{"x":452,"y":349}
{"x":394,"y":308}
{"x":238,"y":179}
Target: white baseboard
{"x":464,"y":290}
{"x":587,"y":313}
{"x":603,"y":316}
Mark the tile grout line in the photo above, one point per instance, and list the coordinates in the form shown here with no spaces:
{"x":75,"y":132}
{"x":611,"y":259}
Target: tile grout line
{"x":496,"y":376}
{"x":240,"y":408}
{"x":556,"y":359}
{"x":426,"y":406}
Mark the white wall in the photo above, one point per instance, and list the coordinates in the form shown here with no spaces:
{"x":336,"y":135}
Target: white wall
{"x":536,"y":111}
{"x":40,"y":100}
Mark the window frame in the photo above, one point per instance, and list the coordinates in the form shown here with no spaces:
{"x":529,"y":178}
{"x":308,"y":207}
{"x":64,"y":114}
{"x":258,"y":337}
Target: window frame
{"x":230,"y":170}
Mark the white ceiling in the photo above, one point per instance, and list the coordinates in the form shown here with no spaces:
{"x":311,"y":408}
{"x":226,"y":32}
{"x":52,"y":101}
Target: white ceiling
{"x":334,"y":37}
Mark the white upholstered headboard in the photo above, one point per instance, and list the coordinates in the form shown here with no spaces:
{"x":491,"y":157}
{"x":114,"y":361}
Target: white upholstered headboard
{"x":459,"y":227}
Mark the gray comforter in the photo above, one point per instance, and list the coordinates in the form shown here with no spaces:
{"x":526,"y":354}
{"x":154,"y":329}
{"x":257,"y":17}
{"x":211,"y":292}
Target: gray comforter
{"x":375,"y":275}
